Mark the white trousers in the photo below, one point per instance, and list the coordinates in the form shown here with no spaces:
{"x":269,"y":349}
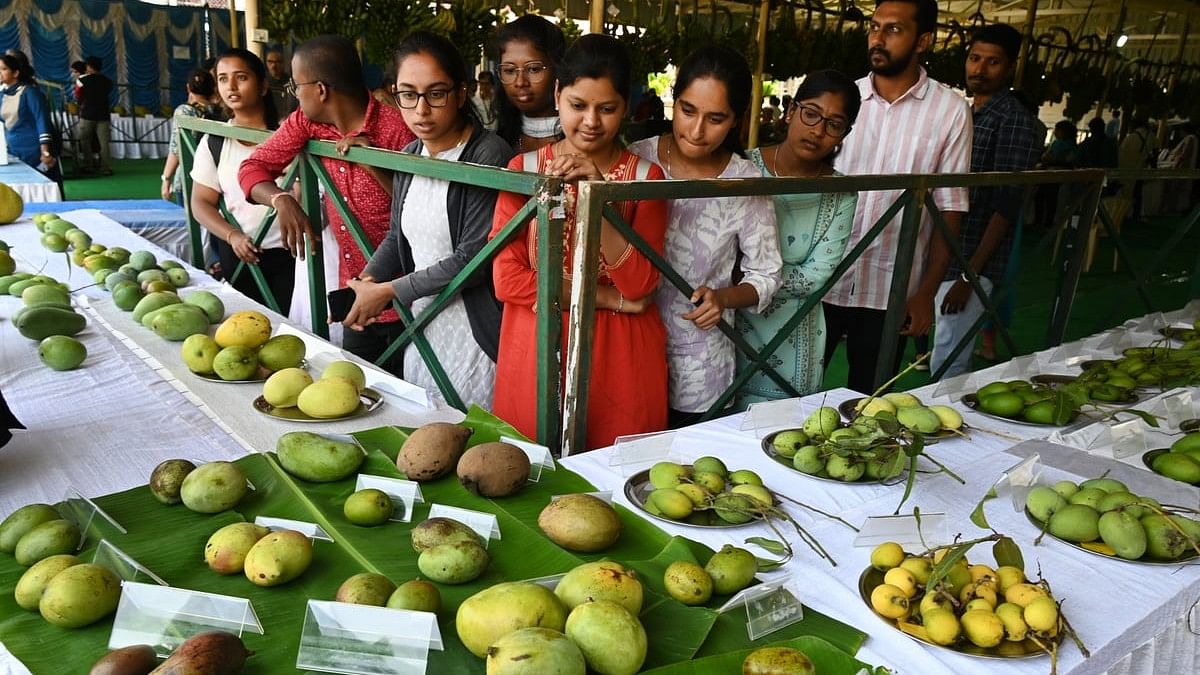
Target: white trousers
{"x":950,"y":328}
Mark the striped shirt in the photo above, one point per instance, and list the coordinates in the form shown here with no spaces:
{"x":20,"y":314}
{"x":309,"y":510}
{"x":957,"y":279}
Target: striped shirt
{"x":927,"y":130}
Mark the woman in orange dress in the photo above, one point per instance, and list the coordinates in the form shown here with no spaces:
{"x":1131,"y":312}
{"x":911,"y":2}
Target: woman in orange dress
{"x":627,"y":392}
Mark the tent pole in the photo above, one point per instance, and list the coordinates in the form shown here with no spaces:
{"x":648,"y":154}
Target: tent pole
{"x":1162,"y":123}
{"x":756,"y":97}
{"x":250,"y":7}
{"x":1026,"y":44}
{"x":234,"y":39}
{"x":596,"y":17}
{"x":1110,"y":63}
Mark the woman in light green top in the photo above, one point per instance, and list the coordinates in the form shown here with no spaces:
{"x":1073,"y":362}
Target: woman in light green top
{"x":813,"y":231}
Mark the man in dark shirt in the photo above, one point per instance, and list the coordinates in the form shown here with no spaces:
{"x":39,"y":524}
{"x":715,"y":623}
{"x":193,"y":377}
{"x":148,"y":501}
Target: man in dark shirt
{"x":277,"y":79}
{"x":95,"y":90}
{"x":1004,"y":140}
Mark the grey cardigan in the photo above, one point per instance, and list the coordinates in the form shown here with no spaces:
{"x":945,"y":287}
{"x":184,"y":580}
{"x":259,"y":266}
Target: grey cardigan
{"x":470,"y":209}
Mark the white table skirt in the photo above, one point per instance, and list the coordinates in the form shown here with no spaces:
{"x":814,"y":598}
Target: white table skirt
{"x":139,"y":137}
{"x":28,"y":182}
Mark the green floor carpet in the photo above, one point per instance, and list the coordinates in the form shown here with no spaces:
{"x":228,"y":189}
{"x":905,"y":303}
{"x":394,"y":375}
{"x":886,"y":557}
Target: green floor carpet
{"x":1105,"y":298}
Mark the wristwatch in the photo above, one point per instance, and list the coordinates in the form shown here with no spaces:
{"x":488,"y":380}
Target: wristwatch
{"x":963,"y":277}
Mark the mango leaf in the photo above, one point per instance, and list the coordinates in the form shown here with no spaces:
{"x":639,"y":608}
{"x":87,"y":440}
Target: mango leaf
{"x":1146,"y":417}
{"x":828,"y":659}
{"x":977,"y":514}
{"x":908,"y":482}
{"x":940,"y":570}
{"x":1008,"y":553}
{"x":770,"y":545}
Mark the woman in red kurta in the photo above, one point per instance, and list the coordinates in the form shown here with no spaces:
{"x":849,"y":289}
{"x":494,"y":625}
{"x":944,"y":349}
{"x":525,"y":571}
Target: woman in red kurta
{"x":627,"y":393}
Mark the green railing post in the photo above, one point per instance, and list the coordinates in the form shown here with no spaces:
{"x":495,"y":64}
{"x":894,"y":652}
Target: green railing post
{"x":310,"y":199}
{"x":1072,"y":268}
{"x":187,"y":157}
{"x":897,"y":307}
{"x":549,"y":319}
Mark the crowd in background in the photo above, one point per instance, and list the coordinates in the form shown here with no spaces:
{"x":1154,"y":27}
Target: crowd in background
{"x":561,"y":109}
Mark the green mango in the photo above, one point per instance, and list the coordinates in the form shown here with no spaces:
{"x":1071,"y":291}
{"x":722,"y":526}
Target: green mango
{"x":43,"y":294}
{"x":80,"y":595}
{"x":1188,"y":442}
{"x":39,"y":323}
{"x":317,"y":458}
{"x":457,"y":563}
{"x":210,"y":303}
{"x":152,"y":302}
{"x":1004,"y":404}
{"x":7,"y":281}
{"x":1075,"y":522}
{"x":50,"y":538}
{"x":126,"y":296}
{"x":1124,"y":534}
{"x":21,"y":521}
{"x":1177,"y":465}
{"x":32,"y":584}
{"x":61,"y":352}
{"x":177,"y":322}
{"x":1043,"y":502}
{"x":1108,"y":485}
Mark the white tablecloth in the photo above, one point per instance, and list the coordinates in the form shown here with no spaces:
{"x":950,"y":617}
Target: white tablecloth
{"x":140,"y":137}
{"x":31,"y":185}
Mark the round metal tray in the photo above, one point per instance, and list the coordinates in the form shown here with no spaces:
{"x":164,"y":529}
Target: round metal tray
{"x":369,"y":401}
{"x":1188,"y":426}
{"x":846,"y":409}
{"x":638,"y":487}
{"x":260,"y":376}
{"x":972,"y":402}
{"x":872,"y":577}
{"x":1037,"y":523}
{"x":1149,"y":456}
{"x":768,"y":447}
{"x":1055,"y":380}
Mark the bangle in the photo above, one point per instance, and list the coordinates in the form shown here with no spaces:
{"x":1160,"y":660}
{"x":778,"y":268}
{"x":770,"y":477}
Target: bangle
{"x":166,"y":178}
{"x":276,"y":196}
{"x":620,"y":304}
{"x":963,"y":276}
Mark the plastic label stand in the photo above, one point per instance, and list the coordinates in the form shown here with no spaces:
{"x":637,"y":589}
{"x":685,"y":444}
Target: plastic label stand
{"x":123,"y":565}
{"x":641,"y":451}
{"x":1117,"y":341}
{"x":1180,"y":408}
{"x":549,"y":583}
{"x":1070,"y":354}
{"x":83,"y":511}
{"x":769,"y":607}
{"x":1020,"y":479}
{"x":540,"y":458}
{"x":1020,"y":368}
{"x":767,"y":416}
{"x":484,"y":524}
{"x":606,"y":497}
{"x":405,"y":494}
{"x":310,"y":530}
{"x":362,"y":640}
{"x":903,"y":529}
{"x":1128,"y":439}
{"x":955,"y":387}
{"x":164,"y":617}
{"x":1151,"y":323}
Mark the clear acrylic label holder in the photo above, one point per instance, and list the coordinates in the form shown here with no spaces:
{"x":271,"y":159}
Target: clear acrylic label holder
{"x":310,"y":530}
{"x":405,"y":494}
{"x":1020,"y":479}
{"x":1069,"y":354}
{"x":165,"y":617}
{"x":1021,"y":368}
{"x":769,"y":607}
{"x":904,"y":530}
{"x":123,"y":565}
{"x":955,"y":387}
{"x":83,"y":512}
{"x":484,"y":524}
{"x":1128,"y":439}
{"x":638,"y":452}
{"x":540,"y":458}
{"x":362,"y":640}
{"x":1117,"y":341}
{"x":549,"y":583}
{"x":767,"y":416}
{"x":1180,"y":408}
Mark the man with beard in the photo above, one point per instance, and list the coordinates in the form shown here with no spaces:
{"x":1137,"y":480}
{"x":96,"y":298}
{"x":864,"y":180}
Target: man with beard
{"x":908,"y":124}
{"x":1005,"y":139}
{"x":277,"y":79}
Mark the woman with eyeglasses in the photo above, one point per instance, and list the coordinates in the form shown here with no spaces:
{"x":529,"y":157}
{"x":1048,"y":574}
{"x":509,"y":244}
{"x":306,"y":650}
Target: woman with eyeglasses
{"x":705,"y":237}
{"x":528,"y":51}
{"x":813,"y":231}
{"x":437,"y":226}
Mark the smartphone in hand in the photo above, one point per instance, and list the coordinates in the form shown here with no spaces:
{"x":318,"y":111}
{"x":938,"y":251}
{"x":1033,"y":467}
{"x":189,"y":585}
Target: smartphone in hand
{"x":340,"y":302}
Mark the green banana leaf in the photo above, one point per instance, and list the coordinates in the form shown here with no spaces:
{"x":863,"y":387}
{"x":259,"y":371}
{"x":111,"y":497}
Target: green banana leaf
{"x":169,"y":540}
{"x":827,"y":659}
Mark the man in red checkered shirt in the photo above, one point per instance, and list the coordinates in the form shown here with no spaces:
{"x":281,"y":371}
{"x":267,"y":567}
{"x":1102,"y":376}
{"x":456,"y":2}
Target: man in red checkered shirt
{"x":333,"y":104}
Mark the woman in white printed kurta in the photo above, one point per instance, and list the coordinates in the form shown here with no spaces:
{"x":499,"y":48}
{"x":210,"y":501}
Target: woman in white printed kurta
{"x":706,"y":237}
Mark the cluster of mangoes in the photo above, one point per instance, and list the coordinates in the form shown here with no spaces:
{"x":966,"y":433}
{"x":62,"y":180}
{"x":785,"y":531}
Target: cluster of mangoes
{"x":241,"y":349}
{"x":1023,"y":400}
{"x":212,"y":487}
{"x":994,"y":609}
{"x":449,"y":552}
{"x":66,"y":591}
{"x":1157,"y":367}
{"x":266,"y":558}
{"x":1182,"y":463}
{"x":706,"y":493}
{"x":1102,"y":515}
{"x":728,"y":571}
{"x":588,"y":623}
{"x":208,"y":652}
{"x":47,"y":317}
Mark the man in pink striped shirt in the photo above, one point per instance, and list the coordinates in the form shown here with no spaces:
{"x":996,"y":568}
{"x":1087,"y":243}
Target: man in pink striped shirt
{"x":908,"y":124}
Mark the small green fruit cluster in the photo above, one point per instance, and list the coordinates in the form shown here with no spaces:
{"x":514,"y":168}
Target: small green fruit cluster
{"x":706,"y":493}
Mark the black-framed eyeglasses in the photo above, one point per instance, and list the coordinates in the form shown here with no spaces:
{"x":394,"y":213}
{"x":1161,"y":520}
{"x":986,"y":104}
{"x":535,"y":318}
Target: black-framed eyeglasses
{"x":291,"y":87}
{"x":534,"y":70}
{"x":812,"y":117}
{"x":436,"y":98}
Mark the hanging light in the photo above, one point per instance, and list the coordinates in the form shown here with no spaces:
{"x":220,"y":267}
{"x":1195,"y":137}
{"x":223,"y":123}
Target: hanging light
{"x":1122,"y":40}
